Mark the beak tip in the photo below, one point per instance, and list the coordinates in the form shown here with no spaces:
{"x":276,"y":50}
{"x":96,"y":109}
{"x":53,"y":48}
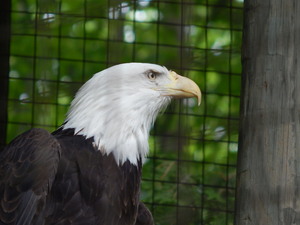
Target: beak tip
{"x":199,"y":99}
{"x":198,"y":94}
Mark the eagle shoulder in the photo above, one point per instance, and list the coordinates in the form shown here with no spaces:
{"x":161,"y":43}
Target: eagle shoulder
{"x":27,"y":169}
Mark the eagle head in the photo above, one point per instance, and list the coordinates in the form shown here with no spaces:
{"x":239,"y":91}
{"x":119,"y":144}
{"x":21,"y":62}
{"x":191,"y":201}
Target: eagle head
{"x":118,"y":106}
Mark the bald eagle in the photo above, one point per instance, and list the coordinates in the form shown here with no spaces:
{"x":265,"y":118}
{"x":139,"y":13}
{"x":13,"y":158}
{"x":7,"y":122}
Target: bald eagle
{"x":89,"y":170}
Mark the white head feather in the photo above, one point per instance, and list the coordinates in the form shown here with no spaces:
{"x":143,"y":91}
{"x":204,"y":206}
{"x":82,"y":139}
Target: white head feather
{"x":117,"y":107}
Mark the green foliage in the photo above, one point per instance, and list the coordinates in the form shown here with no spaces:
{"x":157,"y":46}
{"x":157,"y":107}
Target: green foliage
{"x":56,"y":45}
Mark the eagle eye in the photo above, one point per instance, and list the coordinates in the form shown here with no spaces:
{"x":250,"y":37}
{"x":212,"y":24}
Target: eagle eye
{"x":152,"y":74}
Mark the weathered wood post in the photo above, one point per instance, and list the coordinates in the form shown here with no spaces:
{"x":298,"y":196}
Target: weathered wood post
{"x":268,"y":176}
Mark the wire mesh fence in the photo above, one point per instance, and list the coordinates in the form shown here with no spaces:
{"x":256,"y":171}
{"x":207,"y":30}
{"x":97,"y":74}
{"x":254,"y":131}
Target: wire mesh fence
{"x":189,"y":177}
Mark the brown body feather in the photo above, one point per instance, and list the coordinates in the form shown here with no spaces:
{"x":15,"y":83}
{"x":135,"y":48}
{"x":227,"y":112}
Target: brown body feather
{"x":61,"y":178}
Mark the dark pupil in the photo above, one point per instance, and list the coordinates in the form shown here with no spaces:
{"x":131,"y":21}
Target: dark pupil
{"x":152,"y":75}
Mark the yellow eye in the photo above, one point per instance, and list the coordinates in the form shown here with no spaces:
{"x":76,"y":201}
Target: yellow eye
{"x":151,"y":76}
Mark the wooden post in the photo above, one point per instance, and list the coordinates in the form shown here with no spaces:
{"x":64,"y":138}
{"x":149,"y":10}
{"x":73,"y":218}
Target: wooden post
{"x":268,"y":176}
{"x":5,"y":11}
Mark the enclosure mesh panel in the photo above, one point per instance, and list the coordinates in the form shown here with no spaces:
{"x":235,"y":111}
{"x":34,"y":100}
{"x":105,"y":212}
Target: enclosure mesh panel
{"x":189,"y":177}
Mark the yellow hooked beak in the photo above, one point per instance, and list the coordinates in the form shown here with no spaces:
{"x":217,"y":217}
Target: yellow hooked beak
{"x":182,"y":87}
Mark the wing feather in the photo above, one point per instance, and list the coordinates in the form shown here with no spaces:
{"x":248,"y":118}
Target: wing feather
{"x":27,"y":169}
{"x":144,"y":216}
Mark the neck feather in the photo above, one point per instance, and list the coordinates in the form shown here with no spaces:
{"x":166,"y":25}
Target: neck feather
{"x":119,"y":125}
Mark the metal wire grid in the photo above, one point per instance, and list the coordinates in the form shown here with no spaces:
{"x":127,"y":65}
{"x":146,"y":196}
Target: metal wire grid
{"x":68,"y":41}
